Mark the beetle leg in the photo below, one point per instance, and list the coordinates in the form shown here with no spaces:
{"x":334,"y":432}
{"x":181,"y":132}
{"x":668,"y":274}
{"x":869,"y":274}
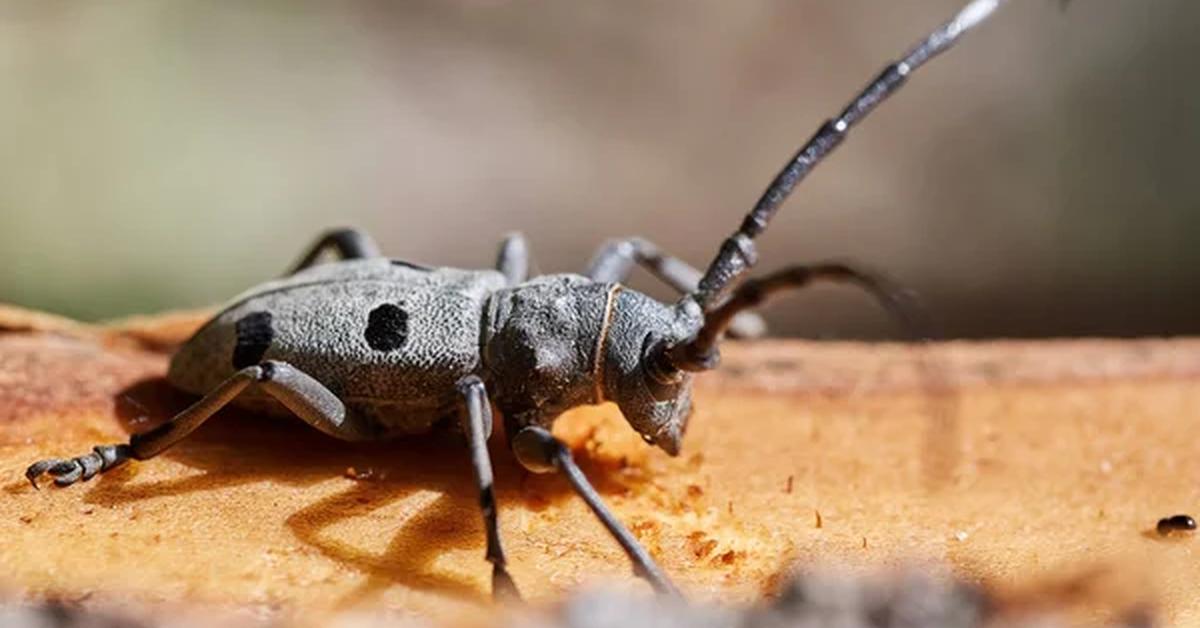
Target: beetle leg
{"x":477,"y":425}
{"x":85,"y":467}
{"x":347,"y":243}
{"x":537,"y":450}
{"x":303,"y":395}
{"x":614,"y":262}
{"x":513,"y":259}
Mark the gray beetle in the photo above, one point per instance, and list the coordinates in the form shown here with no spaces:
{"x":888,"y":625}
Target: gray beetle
{"x":368,"y":348}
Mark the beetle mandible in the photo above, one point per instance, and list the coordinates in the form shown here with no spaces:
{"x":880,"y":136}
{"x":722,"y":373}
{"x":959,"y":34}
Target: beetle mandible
{"x":369,"y":348}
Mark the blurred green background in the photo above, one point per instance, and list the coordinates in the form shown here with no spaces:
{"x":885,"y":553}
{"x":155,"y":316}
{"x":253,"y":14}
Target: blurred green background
{"x":1038,"y":180}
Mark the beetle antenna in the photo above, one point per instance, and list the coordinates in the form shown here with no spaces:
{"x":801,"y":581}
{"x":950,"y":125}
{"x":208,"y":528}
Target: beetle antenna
{"x":701,"y":352}
{"x":737,"y":253}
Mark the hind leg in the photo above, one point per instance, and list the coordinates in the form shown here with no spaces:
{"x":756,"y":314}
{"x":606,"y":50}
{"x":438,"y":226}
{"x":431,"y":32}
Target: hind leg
{"x":303,"y":395}
{"x":346,"y":243}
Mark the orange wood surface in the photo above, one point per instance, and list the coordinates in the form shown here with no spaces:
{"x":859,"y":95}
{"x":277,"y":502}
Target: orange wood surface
{"x":1010,"y":462}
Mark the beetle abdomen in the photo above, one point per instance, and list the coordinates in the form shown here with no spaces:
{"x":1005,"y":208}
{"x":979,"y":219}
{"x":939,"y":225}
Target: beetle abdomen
{"x":375,"y":333}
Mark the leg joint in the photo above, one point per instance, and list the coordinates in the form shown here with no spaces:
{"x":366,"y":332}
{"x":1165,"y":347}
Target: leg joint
{"x":470,"y":384}
{"x":266,"y":370}
{"x":487,"y":502}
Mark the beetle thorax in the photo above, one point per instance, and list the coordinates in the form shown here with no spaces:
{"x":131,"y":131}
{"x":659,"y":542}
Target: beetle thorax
{"x":542,"y":346}
{"x":562,"y":341}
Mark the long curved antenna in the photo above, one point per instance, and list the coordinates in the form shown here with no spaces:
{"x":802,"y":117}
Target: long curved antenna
{"x":737,"y":252}
{"x":701,"y":352}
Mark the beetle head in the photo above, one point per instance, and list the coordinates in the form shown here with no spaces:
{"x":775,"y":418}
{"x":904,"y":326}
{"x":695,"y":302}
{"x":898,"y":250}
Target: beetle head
{"x":656,"y":403}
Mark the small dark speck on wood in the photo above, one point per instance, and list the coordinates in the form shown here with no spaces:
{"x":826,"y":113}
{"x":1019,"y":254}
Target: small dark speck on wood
{"x":1176,"y":523}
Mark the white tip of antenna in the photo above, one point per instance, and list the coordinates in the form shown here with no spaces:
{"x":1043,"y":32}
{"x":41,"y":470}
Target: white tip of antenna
{"x":974,"y":13}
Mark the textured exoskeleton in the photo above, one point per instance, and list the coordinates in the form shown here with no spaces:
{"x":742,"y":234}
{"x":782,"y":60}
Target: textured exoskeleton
{"x":541,"y":346}
{"x":368,"y":348}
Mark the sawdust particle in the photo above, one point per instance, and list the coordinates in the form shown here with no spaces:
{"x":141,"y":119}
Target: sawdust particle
{"x":644,"y":526}
{"x":700,"y":545}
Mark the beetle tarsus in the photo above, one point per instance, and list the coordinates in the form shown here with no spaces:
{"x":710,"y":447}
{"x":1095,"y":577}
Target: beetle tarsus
{"x":37,"y":469}
{"x":85,"y":467}
{"x":503,"y":586}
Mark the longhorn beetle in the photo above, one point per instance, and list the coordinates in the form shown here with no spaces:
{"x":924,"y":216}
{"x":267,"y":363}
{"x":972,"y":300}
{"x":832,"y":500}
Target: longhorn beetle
{"x":369,"y":348}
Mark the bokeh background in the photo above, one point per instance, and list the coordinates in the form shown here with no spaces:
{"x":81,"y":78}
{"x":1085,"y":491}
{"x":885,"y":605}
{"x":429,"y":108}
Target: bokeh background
{"x":1039,"y":180}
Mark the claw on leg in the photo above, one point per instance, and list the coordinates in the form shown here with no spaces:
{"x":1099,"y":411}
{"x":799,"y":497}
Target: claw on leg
{"x":503,"y":587}
{"x":66,"y":472}
{"x":36,"y":470}
{"x":85,"y":467}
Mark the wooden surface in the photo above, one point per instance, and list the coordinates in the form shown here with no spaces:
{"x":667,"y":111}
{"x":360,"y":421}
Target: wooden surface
{"x":1014,"y":463}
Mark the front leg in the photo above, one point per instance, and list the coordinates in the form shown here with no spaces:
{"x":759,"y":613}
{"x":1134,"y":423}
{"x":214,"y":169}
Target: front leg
{"x":477,"y":425}
{"x":615,"y":260}
{"x":537,"y":450}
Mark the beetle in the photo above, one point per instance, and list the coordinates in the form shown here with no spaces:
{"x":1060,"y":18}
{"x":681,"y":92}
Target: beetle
{"x":367,"y":347}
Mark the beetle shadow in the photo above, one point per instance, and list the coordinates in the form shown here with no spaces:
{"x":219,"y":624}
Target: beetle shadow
{"x":236,"y":447}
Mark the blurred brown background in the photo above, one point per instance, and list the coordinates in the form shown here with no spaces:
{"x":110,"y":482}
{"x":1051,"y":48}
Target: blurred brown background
{"x":1038,"y":180}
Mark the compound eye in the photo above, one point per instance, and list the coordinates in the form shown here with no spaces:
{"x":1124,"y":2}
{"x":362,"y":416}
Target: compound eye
{"x":661,"y":377}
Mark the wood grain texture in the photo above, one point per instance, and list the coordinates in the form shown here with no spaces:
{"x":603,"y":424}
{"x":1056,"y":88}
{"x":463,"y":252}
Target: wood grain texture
{"x":1012,"y":462}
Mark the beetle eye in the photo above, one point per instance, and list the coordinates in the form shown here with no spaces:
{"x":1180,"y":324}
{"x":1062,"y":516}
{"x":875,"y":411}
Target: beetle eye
{"x":659,"y":371}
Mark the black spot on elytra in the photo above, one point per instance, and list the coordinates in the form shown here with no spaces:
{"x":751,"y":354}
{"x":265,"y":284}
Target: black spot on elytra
{"x":387,"y":327}
{"x":254,"y":335}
